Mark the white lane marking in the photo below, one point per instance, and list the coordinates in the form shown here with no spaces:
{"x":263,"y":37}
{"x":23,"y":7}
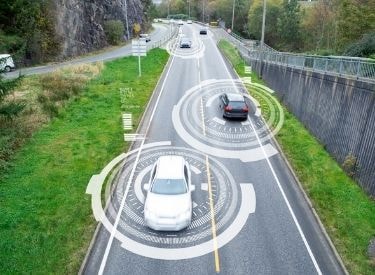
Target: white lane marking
{"x":246,"y":208}
{"x":195,"y":170}
{"x":218,"y":120}
{"x":211,"y":99}
{"x":245,"y":123}
{"x":278,"y":182}
{"x":114,"y":228}
{"x":254,"y":154}
{"x":133,"y":137}
{"x":204,"y":186}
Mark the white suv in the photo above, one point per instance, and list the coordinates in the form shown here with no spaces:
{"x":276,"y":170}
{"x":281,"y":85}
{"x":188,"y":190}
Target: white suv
{"x":168,"y":204}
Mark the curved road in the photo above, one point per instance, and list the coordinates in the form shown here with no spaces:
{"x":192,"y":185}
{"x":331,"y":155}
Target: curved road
{"x":160,"y":31}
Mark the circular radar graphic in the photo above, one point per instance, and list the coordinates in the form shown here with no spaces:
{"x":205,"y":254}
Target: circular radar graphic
{"x":196,"y":49}
{"x":231,"y":204}
{"x":198,"y":119}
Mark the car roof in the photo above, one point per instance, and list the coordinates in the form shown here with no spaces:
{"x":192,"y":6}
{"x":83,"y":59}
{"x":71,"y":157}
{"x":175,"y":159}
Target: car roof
{"x":170,"y":167}
{"x":185,"y":38}
{"x":235,"y":97}
{"x":4,"y":55}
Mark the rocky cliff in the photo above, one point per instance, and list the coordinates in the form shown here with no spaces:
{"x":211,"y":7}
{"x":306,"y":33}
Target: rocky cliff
{"x":79,"y":23}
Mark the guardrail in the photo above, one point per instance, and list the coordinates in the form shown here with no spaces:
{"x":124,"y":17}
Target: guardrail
{"x":344,"y":66}
{"x":172,"y":32}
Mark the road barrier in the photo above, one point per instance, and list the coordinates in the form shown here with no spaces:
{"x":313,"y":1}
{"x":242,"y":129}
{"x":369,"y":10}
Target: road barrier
{"x":172,"y":32}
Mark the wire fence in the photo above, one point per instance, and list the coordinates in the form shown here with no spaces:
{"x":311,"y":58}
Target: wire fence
{"x":360,"y":68}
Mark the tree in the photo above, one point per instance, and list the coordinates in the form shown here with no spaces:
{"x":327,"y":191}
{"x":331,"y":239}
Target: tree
{"x":320,"y":26}
{"x":289,"y":25}
{"x":355,"y":18}
{"x":9,"y":109}
{"x":255,"y":15}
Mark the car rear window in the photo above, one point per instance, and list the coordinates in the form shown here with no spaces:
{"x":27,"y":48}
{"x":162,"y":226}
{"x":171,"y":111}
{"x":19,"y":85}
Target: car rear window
{"x":169,"y":186}
{"x":237,"y":104}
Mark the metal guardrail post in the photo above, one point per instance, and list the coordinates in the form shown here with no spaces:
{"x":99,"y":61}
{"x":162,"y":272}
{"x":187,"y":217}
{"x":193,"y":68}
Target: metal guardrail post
{"x":326,"y":66}
{"x":341,"y":63}
{"x":358,"y":68}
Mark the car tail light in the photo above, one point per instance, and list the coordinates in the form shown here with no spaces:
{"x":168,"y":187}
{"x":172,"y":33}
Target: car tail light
{"x":228,"y":108}
{"x":245,"y":109}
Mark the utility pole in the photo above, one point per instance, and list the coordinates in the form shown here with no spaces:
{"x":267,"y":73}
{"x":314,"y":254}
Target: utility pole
{"x":262,"y":38}
{"x":126,"y":19}
{"x":234,"y":4}
{"x":203,"y":11}
{"x":189,"y":8}
{"x":168,"y":8}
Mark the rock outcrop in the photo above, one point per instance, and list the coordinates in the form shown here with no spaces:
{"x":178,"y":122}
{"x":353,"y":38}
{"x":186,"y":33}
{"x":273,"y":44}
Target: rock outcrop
{"x":79,"y":24}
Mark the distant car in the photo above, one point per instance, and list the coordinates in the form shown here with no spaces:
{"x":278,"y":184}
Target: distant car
{"x":185,"y":42}
{"x":145,"y":36}
{"x":189,"y":22}
{"x":168,"y":204}
{"x":234,"y":106}
{"x":180,"y":22}
{"x":6,"y":63}
{"x":203,"y":31}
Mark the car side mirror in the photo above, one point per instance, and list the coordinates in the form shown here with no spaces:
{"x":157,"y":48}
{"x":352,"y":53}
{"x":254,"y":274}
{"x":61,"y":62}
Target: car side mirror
{"x":146,"y":187}
{"x":192,"y":188}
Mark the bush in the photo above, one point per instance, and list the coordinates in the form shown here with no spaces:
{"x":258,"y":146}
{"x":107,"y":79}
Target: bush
{"x":114,"y":31}
{"x":362,"y":48}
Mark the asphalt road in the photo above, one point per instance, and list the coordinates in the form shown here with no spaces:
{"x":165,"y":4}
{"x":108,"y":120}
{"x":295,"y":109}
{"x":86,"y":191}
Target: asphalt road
{"x":249,"y":216}
{"x":160,"y":31}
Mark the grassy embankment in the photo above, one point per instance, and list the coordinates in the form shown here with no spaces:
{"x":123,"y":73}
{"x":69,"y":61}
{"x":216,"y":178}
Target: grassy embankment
{"x":345,"y":210}
{"x":46,"y":220}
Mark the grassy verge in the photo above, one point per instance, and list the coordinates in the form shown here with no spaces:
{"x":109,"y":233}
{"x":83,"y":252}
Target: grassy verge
{"x":345,"y":210}
{"x":46,"y":219}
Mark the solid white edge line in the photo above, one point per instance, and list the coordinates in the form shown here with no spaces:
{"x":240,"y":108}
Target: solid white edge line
{"x":277,"y":181}
{"x":114,"y":229}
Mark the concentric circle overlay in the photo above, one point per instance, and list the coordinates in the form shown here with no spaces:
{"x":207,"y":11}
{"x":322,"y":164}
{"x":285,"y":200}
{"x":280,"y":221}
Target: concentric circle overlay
{"x":195,"y":51}
{"x":198,"y":119}
{"x":232,"y":202}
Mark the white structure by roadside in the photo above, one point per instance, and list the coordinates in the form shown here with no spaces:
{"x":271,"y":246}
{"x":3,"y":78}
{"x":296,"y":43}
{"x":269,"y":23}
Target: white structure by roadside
{"x":6,"y":63}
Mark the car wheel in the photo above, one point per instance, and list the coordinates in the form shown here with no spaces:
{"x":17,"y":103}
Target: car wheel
{"x":7,"y":69}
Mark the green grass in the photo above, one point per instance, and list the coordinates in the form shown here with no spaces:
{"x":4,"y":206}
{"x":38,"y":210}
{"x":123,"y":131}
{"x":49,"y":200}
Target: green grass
{"x":46,"y":220}
{"x":346,"y":211}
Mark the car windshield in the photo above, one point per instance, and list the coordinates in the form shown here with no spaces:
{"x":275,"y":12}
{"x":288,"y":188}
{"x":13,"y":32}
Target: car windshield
{"x":169,"y":186}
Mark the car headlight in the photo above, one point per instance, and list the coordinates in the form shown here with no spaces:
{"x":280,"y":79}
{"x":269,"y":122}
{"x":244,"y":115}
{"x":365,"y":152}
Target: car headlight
{"x":185,"y":215}
{"x":149,"y":214}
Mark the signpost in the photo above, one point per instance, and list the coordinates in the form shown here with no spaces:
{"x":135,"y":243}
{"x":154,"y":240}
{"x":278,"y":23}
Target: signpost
{"x":139,"y":48}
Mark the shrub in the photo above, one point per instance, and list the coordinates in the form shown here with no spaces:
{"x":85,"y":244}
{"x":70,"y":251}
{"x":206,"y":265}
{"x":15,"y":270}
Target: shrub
{"x":362,"y":48}
{"x":114,"y":31}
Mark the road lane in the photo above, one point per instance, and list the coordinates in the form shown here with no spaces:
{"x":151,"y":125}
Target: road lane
{"x":268,"y":243}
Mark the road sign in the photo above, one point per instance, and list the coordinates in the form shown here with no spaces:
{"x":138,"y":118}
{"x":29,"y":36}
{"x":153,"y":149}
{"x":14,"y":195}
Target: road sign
{"x":139,"y":48}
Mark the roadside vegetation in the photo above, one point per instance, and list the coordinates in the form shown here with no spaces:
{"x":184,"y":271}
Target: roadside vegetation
{"x":324,"y":27}
{"x":347,"y":213}
{"x":46,"y":218}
